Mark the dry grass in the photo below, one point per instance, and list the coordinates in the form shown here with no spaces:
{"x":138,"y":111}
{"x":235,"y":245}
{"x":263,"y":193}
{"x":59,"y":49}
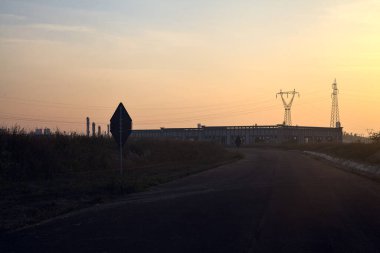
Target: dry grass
{"x":359,"y":152}
{"x":45,"y":176}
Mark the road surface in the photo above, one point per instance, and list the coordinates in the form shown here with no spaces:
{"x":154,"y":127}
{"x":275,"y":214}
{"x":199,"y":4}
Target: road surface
{"x":271,"y":201}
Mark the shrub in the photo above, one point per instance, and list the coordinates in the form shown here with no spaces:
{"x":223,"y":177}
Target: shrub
{"x":375,"y":137}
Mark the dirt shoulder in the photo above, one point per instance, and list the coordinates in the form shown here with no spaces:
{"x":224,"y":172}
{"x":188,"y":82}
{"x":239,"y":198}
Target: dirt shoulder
{"x":368,"y":154}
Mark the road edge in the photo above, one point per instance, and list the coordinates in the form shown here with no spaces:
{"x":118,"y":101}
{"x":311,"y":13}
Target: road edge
{"x":370,"y":171}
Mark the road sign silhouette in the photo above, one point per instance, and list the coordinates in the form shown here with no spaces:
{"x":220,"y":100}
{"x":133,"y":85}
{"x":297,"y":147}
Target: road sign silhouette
{"x":121,"y":125}
{"x":121,"y":128}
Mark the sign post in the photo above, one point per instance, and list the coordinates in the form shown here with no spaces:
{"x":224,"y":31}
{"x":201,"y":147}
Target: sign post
{"x":121,"y":128}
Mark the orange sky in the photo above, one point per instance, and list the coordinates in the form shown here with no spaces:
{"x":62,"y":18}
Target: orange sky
{"x":176,"y":64}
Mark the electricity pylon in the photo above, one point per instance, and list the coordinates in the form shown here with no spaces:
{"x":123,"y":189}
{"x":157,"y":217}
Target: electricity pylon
{"x":335,"y":122}
{"x":288,"y":105}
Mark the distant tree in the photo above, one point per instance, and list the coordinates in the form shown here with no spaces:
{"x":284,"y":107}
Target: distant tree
{"x":375,"y":137}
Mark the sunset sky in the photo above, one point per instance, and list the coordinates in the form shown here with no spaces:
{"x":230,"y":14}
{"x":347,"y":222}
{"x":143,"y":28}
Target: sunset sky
{"x":176,"y":63}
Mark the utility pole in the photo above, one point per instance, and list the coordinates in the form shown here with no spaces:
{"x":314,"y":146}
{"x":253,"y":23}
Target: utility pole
{"x":334,"y":121}
{"x":288,"y":105}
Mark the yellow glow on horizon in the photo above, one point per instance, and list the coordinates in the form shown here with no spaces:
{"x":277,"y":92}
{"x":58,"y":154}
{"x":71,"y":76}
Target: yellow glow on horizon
{"x":225,"y":72}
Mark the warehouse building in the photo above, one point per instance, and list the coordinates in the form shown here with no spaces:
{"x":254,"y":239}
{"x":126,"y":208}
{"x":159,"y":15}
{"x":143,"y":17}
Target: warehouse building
{"x":226,"y":135}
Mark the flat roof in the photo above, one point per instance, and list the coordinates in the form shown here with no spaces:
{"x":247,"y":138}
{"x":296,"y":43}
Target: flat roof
{"x":235,"y":127}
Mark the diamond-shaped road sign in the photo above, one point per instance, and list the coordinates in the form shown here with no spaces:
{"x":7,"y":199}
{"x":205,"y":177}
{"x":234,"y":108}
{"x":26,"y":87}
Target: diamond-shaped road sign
{"x":121,"y":125}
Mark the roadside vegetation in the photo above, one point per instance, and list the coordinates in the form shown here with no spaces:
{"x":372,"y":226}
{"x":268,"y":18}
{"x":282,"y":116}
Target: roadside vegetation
{"x":359,"y":152}
{"x":45,"y":176}
{"x":375,"y":137}
{"x":355,"y":138}
{"x":368,"y":153}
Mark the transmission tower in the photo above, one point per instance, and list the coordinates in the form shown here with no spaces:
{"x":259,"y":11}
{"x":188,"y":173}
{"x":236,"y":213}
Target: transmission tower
{"x":288,"y":105}
{"x":335,"y":122}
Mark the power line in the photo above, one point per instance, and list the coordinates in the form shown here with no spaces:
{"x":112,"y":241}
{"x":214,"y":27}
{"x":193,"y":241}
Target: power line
{"x":27,"y":115}
{"x":41,"y":120}
{"x":221,"y":110}
{"x":178,"y":120}
{"x":220,"y":114}
{"x":41,"y":103}
{"x":101,"y":107}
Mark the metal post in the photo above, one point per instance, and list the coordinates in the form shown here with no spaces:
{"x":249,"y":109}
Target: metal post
{"x":88,"y":126}
{"x":121,"y":147}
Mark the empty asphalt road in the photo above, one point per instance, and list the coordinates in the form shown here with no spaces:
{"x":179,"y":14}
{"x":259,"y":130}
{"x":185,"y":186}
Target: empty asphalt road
{"x":271,"y":201}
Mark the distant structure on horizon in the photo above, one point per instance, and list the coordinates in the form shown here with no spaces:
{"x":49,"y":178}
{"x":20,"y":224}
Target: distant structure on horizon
{"x":271,"y":134}
{"x":288,"y":105}
{"x":40,"y":131}
{"x":47,"y":131}
{"x":93,"y":129}
{"x":254,"y":134}
{"x":88,"y":127}
{"x":334,"y":121}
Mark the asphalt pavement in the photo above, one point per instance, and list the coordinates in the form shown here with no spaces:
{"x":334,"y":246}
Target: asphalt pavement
{"x":270,"y":201}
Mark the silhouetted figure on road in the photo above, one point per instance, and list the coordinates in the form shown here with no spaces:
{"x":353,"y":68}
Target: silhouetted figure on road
{"x":238,"y":141}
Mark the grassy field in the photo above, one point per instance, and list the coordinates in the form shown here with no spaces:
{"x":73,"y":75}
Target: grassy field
{"x":359,"y":152}
{"x":45,"y":176}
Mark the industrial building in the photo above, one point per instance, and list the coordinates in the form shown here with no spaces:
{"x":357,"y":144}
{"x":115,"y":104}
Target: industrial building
{"x":248,"y":135}
{"x":226,"y":135}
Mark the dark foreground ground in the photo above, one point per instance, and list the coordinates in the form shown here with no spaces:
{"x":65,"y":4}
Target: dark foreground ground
{"x":47,"y":176}
{"x":271,"y":201}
